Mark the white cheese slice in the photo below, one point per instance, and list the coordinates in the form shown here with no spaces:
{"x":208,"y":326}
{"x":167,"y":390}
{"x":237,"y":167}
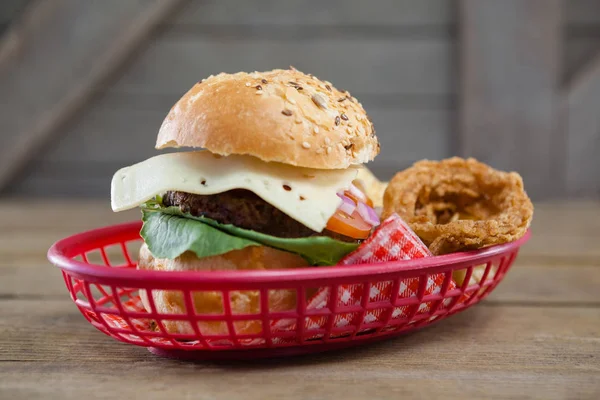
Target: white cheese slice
{"x":305,"y":194}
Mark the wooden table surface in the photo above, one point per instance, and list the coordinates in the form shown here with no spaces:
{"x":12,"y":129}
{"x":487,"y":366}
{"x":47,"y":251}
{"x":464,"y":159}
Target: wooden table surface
{"x":536,"y":336}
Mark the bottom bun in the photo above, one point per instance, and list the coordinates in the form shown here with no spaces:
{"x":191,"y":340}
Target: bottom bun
{"x":211,"y":302}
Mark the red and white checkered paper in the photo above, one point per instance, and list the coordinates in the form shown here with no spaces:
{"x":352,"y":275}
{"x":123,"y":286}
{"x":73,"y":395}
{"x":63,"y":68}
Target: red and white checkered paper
{"x":393,"y":240}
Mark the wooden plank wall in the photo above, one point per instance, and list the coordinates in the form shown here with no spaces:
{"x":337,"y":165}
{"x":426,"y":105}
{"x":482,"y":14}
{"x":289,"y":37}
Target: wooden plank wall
{"x":53,"y":61}
{"x":582,"y":101}
{"x":582,"y":128}
{"x":399,"y":57}
{"x":581,"y":34}
{"x":509,"y":111}
{"x":9,"y":9}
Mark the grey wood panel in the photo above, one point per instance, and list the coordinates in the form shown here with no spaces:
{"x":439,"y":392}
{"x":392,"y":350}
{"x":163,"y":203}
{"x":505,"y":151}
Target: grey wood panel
{"x":578,"y":52}
{"x":581,"y":32}
{"x":581,"y":12}
{"x":52,"y":61}
{"x":416,"y":79}
{"x":405,"y":66}
{"x":10,"y":9}
{"x":421,"y":13}
{"x":261,"y":34}
{"x":64,"y":180}
{"x":316,"y":12}
{"x":175,"y":62}
{"x":583,"y":133}
{"x":582,"y":124}
{"x":510,"y":76}
{"x":22,"y":77}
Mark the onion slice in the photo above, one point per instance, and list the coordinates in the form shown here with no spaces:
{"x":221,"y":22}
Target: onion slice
{"x":368,"y":214}
{"x":356,"y":192}
{"x":347,"y":205}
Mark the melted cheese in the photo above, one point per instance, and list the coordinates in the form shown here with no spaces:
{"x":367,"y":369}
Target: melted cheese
{"x":307,"y":195}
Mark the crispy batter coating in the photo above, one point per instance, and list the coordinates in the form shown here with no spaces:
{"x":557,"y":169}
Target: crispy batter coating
{"x":457,"y":204}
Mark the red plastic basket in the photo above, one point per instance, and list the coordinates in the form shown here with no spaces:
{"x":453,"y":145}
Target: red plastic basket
{"x":99,"y":270}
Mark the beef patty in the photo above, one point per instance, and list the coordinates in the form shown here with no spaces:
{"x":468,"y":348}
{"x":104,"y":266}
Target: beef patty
{"x":244,"y":209}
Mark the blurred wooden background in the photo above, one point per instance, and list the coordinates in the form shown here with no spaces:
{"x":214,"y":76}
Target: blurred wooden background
{"x":85,"y":85}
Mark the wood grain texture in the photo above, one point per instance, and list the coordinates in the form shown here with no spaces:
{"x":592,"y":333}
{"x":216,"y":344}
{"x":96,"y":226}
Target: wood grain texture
{"x":418,"y":13}
{"x":581,"y":35}
{"x":10,"y":9}
{"x":67,"y":358}
{"x":290,"y":22}
{"x":579,"y":51}
{"x":510,"y":70}
{"x":583,"y":132}
{"x":429,"y":13}
{"x":64,"y":49}
{"x":541,"y":325}
{"x":174,"y":62}
{"x":582,"y":12}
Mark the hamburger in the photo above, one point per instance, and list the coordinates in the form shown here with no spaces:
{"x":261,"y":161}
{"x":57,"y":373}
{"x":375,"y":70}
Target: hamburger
{"x":269,"y":178}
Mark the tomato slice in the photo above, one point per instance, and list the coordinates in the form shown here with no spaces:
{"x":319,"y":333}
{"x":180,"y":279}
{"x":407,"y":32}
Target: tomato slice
{"x":349,"y":225}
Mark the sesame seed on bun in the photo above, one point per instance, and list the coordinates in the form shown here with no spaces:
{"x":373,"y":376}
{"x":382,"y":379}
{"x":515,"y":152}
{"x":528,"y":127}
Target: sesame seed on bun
{"x":277,"y":116}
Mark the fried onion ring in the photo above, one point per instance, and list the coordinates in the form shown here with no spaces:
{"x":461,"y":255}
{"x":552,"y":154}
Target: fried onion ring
{"x":457,"y":204}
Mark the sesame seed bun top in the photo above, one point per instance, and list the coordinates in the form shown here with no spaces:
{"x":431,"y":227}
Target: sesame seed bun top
{"x":281,"y":115}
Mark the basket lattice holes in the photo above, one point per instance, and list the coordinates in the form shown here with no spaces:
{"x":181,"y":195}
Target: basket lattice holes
{"x":157,"y":317}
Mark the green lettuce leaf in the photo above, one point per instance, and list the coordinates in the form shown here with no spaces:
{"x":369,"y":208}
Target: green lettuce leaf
{"x":168,"y":232}
{"x":169,"y":236}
